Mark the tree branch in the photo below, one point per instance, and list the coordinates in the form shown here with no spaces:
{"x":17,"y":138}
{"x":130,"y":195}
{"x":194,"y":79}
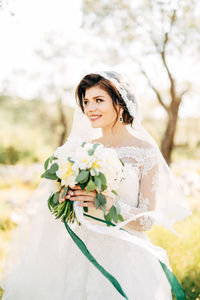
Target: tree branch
{"x":180,"y":96}
{"x":163,"y":56}
{"x":160,"y":100}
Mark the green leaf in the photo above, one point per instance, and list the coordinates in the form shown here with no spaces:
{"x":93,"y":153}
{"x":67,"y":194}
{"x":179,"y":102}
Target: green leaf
{"x":48,"y":175}
{"x":120,"y":218}
{"x":102,"y":178}
{"x":122,"y":162}
{"x":65,"y":191}
{"x":113,"y":213}
{"x":108,"y":217}
{"x":83,"y":185}
{"x":82,"y":176}
{"x":91,"y":151}
{"x":56,"y":197}
{"x":53,"y":168}
{"x":98,"y":183}
{"x":46,"y":163}
{"x":115,"y":218}
{"x":101,"y":198}
{"x":52,"y":158}
{"x":83,"y":144}
{"x":103,"y":188}
{"x":114,"y":192}
{"x":104,"y":209}
{"x":96,"y":202}
{"x":49,"y":202}
{"x":90,"y":186}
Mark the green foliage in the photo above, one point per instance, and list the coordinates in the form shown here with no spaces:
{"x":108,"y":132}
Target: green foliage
{"x":183,"y":252}
{"x":65,"y":191}
{"x":1,"y":292}
{"x":6,"y":224}
{"x":90,"y":186}
{"x":91,"y":151}
{"x":11,"y":154}
{"x":25,"y":138}
{"x":83,"y":176}
{"x":49,"y":175}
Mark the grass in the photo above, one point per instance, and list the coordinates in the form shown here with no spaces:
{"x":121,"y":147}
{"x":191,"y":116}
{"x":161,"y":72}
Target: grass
{"x":1,"y":292}
{"x":183,"y":252}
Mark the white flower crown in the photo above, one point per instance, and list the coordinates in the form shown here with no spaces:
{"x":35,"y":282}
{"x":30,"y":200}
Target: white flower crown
{"x":131,"y":106}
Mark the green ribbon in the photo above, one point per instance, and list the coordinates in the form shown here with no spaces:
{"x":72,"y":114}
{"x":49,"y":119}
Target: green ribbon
{"x":91,"y":258}
{"x":175,"y":285}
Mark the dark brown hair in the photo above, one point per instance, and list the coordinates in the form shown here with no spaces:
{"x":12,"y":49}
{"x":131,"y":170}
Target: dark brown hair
{"x":92,"y":80}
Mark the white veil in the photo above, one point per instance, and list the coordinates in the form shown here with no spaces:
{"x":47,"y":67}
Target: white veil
{"x":171,"y":204}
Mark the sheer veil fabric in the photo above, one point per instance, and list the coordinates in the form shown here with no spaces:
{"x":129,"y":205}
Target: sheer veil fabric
{"x":41,"y":245}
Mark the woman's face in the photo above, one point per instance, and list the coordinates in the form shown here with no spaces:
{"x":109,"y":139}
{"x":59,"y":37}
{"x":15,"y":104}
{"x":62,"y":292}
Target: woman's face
{"x":98,"y":108}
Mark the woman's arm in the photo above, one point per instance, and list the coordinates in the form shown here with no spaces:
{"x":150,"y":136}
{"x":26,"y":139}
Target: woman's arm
{"x":146,"y":201}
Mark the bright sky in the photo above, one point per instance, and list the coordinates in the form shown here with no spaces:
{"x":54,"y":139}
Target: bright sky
{"x":23,"y":26}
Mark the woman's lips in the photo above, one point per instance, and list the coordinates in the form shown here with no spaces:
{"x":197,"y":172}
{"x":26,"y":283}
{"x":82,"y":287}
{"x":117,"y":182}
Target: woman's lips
{"x":95,"y":117}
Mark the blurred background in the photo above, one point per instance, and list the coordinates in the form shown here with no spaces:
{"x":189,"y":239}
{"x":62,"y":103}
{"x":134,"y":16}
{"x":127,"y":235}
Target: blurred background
{"x":46,"y":48}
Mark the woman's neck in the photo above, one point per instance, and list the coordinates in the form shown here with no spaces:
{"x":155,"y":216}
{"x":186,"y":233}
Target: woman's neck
{"x":114,"y":136}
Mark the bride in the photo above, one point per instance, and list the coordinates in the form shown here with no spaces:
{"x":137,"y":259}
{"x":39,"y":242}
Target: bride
{"x":48,"y":265}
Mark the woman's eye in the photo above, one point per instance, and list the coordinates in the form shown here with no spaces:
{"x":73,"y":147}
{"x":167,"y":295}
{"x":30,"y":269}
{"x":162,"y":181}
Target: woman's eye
{"x":99,"y":100}
{"x":85,"y":102}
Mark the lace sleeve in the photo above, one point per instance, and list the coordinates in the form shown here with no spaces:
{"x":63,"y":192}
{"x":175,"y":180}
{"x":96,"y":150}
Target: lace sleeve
{"x":146,"y":195}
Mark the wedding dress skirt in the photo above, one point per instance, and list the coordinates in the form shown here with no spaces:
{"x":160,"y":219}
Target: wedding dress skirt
{"x":51,"y":266}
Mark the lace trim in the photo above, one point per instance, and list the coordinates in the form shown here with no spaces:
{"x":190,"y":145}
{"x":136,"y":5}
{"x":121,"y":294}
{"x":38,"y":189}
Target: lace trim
{"x":143,"y":202}
{"x":130,"y":104}
{"x":129,"y":166}
{"x":146,"y":222}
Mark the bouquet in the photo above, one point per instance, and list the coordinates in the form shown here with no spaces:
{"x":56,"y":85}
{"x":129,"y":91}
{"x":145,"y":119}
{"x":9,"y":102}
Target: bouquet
{"x":93,"y":167}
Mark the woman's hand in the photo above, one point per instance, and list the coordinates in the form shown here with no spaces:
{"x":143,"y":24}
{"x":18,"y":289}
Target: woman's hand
{"x":77,"y":194}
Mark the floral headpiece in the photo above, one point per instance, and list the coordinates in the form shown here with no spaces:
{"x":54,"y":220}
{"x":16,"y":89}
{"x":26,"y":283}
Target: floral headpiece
{"x":129,"y":103}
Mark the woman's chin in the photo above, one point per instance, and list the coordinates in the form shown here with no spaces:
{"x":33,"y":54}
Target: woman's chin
{"x":96,"y":124}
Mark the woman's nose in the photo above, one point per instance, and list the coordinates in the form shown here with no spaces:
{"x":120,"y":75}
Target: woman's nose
{"x":91,"y":107}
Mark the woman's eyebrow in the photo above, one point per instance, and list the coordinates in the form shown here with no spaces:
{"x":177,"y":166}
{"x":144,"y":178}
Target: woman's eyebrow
{"x":95,"y":97}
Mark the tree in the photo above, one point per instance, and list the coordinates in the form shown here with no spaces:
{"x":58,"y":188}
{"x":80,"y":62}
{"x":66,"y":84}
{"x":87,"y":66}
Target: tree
{"x":161,"y":30}
{"x":54,"y":54}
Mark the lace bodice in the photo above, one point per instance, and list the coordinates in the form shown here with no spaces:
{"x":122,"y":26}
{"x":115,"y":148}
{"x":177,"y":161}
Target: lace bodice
{"x":138,"y":190}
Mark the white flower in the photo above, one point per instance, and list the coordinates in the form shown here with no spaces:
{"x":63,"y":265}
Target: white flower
{"x":66,"y":173}
{"x":74,"y":156}
{"x":53,"y":186}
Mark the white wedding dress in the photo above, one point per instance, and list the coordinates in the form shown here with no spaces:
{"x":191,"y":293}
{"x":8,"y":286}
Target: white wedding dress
{"x":53,"y":268}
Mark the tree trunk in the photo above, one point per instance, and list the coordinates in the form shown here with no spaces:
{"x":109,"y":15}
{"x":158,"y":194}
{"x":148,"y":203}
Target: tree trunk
{"x":167,"y":143}
{"x":63,"y":122}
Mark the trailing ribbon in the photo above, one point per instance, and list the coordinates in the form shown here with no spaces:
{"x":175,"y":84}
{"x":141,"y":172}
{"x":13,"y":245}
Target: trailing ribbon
{"x":175,"y":285}
{"x":91,"y":258}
